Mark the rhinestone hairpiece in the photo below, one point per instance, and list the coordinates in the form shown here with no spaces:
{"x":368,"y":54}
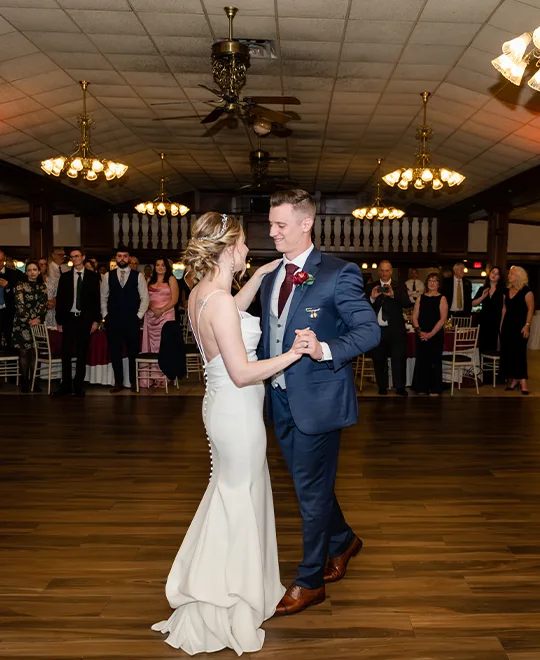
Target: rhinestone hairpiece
{"x":224,"y":218}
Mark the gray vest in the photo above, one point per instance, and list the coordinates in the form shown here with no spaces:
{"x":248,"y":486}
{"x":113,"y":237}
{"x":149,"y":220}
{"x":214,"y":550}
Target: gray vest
{"x":277,"y":331}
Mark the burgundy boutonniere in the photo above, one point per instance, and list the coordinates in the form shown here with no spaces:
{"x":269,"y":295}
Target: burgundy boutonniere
{"x":301,"y":278}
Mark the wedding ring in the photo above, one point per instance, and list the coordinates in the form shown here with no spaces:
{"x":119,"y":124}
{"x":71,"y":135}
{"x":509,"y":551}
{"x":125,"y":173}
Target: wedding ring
{"x":307,"y":344}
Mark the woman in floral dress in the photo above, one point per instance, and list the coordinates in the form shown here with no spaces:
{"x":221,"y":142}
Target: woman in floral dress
{"x":30,"y":309}
{"x":52,"y":286}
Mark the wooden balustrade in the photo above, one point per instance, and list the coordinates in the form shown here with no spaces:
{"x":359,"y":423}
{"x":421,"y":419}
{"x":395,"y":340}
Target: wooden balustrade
{"x":331,"y":233}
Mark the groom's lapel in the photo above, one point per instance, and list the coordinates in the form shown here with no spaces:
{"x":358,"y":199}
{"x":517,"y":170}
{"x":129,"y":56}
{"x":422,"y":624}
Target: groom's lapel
{"x":311,"y":266}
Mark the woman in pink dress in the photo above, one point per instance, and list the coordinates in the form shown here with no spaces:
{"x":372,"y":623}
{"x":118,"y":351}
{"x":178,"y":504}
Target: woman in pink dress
{"x":163,"y":293}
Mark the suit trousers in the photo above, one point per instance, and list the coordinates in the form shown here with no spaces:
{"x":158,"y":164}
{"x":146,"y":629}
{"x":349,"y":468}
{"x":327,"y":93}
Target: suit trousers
{"x":75,"y":332}
{"x":393,"y":345}
{"x":123,"y":330}
{"x":312,"y":461}
{"x":6,"y":326}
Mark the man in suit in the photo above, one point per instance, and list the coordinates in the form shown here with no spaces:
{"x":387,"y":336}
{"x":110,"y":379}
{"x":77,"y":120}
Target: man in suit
{"x":458,"y":292}
{"x":77,"y":316}
{"x":389,"y":299}
{"x":415,"y":286}
{"x":56,"y":263}
{"x":8,"y":279}
{"x":312,"y":400}
{"x":124,"y":301}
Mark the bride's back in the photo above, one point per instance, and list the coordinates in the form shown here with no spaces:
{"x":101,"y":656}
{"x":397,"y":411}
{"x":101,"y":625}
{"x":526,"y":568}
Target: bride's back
{"x":201,"y":315}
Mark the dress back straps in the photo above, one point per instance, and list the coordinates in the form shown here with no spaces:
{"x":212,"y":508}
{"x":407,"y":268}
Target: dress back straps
{"x":197,"y":333}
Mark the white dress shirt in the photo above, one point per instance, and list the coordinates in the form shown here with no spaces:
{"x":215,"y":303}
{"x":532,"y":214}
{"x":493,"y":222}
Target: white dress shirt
{"x":141,"y":284}
{"x":300,"y":262}
{"x":74,"y":309}
{"x":454,"y":307}
{"x":418,"y":289}
{"x":380,"y":321}
{"x":55,"y":270}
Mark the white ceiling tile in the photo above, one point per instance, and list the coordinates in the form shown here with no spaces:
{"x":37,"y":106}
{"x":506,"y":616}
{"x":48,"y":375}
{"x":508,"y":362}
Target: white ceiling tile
{"x":433,"y":72}
{"x":44,"y":82}
{"x":184,"y":65}
{"x":135,"y":63}
{"x":88,"y":61}
{"x":110,"y":5}
{"x":309,"y":68}
{"x":61,"y":42}
{"x":356,"y":52}
{"x":20,"y":106}
{"x":312,"y":8}
{"x":309,"y":50}
{"x":9,"y":93}
{"x":175,"y":25}
{"x":245,"y":27}
{"x":444,"y":34}
{"x":419,"y":54}
{"x":366,"y":69}
{"x":490,"y":40}
{"x":124,"y":44}
{"x":386,"y":10}
{"x":458,"y":10}
{"x":188,"y":46}
{"x":107,"y":22}
{"x":311,"y":29}
{"x":360,"y":84}
{"x":15,"y":45}
{"x":380,"y":32}
{"x":517,"y":17}
{"x":98,"y":77}
{"x":37,"y":19}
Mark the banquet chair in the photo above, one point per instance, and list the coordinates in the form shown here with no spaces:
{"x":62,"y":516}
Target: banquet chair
{"x":9,"y":365}
{"x":363,"y":364}
{"x":463,"y":356}
{"x":461,"y":321}
{"x":492,"y":360}
{"x":44,"y":357}
{"x":146,"y":366}
{"x":194,"y":363}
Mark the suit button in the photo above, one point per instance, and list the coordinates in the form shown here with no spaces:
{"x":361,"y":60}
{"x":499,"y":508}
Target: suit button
{"x":279,"y":325}
{"x":277,"y":341}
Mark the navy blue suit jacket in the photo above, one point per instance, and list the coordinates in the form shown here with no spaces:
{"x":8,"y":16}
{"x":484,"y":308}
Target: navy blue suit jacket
{"x":322,"y":395}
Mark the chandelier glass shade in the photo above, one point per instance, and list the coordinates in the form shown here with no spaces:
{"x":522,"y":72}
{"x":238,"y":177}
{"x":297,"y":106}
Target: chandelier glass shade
{"x":377,"y":210}
{"x":514,"y":59}
{"x":161,"y":205}
{"x":423,"y":173}
{"x":83,"y":162}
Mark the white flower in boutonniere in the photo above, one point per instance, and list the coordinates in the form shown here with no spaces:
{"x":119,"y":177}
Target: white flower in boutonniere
{"x":301,"y":279}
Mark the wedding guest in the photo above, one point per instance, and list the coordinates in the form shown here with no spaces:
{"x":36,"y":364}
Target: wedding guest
{"x":57,"y":264}
{"x":186,"y":284}
{"x":78,"y":314}
{"x":103,"y":270}
{"x":52,"y":285}
{"x":518,"y":311}
{"x":429,"y":316}
{"x":134,"y":263}
{"x":148,"y":270}
{"x":163,"y":295}
{"x":415,"y":286}
{"x":30,"y":310}
{"x":458,"y":292}
{"x":90,"y":265}
{"x":9,"y":278}
{"x":389,"y":299}
{"x":124,"y":301}
{"x":491,"y":297}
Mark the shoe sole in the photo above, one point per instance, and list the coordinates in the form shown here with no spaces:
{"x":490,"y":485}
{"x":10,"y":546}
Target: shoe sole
{"x":330,"y":580}
{"x":316,"y":601}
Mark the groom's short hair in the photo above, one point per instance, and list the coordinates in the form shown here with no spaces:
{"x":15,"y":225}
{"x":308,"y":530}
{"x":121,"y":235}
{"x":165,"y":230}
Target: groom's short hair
{"x":299,"y":199}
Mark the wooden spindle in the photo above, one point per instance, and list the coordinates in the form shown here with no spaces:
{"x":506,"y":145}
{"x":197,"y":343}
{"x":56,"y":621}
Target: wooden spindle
{"x":169,"y":233}
{"x":381,"y":235}
{"x":410,"y":236}
{"x":179,"y":234}
{"x":150,"y":244}
{"x":371,"y":234}
{"x":351,"y":233}
{"x":420,"y":237}
{"x":430,"y":235}
{"x":140,"y":233}
{"x":159,"y":233}
{"x":342,"y":232}
{"x":130,"y":231}
{"x":120,"y":229}
{"x":390,"y":235}
{"x":332,"y":231}
{"x":400,"y":235}
{"x":362,"y":233}
{"x":323,"y":233}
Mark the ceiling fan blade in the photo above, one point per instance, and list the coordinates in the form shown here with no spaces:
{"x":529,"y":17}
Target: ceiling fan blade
{"x":275,"y":100}
{"x":227,"y":122}
{"x":277,"y":159}
{"x":281,"y":131}
{"x":175,"y":102}
{"x":215,"y":114}
{"x":272,"y":115}
{"x":210,"y":89}
{"x":178,"y":117}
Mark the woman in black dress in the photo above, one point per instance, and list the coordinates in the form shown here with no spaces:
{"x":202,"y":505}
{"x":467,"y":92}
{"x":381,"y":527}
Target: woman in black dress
{"x":492,"y":299}
{"x":429,"y":316}
{"x":517,"y":316}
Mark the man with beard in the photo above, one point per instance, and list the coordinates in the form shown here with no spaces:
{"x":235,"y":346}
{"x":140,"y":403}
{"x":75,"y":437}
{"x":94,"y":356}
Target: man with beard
{"x":124,"y":301}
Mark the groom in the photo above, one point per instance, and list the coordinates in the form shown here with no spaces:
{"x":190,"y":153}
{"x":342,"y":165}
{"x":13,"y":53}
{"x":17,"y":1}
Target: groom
{"x":312,"y":400}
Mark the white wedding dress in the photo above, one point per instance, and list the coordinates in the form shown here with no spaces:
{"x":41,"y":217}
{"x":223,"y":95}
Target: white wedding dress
{"x":225,"y":580}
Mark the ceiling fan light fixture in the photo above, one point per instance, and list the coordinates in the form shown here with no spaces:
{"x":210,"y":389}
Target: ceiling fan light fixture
{"x":162,"y":205}
{"x":262,"y":126}
{"x":378,"y":209}
{"x":534,"y":82}
{"x":515,"y":48}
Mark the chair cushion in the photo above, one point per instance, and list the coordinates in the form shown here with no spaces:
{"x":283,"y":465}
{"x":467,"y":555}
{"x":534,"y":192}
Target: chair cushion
{"x":491,"y":356}
{"x":459,"y":358}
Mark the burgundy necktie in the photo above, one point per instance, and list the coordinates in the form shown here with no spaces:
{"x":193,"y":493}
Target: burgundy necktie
{"x":286,"y":287}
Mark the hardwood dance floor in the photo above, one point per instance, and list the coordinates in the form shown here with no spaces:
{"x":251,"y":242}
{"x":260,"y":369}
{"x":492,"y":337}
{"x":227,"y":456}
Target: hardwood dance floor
{"x":95,"y":496}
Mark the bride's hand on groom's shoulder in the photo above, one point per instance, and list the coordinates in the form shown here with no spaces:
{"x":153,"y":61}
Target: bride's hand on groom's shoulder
{"x":268,"y":268}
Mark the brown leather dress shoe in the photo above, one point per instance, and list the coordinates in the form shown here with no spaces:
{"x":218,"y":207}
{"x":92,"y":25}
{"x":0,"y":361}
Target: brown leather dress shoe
{"x":336,"y":566}
{"x":116,"y":388}
{"x":296,"y":599}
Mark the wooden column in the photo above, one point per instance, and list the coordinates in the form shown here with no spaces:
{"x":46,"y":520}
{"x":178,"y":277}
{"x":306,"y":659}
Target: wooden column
{"x":41,"y":227}
{"x":97,"y":233}
{"x":497,"y":248}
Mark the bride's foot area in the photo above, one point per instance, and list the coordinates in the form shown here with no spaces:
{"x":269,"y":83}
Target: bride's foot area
{"x":296,"y":599}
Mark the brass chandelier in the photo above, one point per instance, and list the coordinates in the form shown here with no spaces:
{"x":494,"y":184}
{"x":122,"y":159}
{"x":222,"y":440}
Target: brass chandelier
{"x":514,"y":60}
{"x":423,"y":174}
{"x":377,"y":209}
{"x":162,"y":204}
{"x":83,"y":161}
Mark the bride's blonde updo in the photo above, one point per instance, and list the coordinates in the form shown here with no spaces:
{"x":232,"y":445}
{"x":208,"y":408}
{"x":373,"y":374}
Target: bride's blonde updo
{"x":211,"y":235}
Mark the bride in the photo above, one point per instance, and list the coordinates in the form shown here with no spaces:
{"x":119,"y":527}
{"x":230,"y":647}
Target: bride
{"x":225,"y":580}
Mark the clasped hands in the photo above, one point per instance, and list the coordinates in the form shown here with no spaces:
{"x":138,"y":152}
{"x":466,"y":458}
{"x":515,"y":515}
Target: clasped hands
{"x":306,"y":343}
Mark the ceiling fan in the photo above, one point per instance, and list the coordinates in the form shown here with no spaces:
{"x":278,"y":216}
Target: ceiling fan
{"x":259,"y":161}
{"x":230,"y":62}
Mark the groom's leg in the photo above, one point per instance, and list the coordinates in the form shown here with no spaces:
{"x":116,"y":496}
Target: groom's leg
{"x":312,"y":462}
